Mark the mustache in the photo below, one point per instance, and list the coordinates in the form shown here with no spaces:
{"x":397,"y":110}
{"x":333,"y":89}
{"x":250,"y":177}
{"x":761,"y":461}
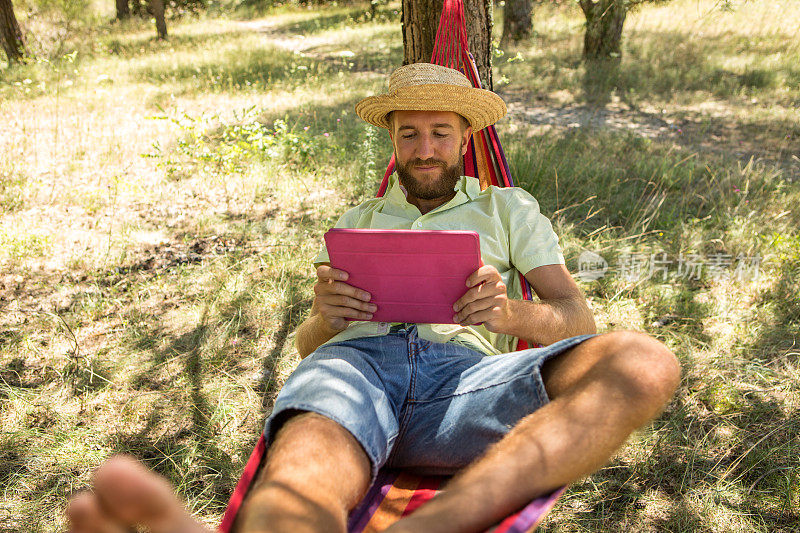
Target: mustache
{"x":427,"y":163}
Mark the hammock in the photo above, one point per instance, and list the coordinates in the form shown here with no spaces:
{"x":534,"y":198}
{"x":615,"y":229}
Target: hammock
{"x":396,"y":494}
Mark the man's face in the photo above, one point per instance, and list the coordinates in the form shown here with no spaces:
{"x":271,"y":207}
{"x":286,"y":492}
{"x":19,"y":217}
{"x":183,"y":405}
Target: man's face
{"x":429,"y":146}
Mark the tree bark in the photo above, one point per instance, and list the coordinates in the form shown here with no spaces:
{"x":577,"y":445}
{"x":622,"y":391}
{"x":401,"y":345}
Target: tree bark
{"x":421,"y":18}
{"x":517,"y":21}
{"x":123,"y":10}
{"x":157,"y":6}
{"x":604,"y":20}
{"x":13,"y":43}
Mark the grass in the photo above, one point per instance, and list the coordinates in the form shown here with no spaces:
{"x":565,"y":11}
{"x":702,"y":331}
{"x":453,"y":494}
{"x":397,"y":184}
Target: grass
{"x":163,"y":201}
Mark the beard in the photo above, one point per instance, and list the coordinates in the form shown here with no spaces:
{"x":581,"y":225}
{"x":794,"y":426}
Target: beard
{"x":443,"y":186}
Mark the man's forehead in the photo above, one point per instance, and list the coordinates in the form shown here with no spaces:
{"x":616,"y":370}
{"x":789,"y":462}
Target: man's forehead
{"x":403,"y":119}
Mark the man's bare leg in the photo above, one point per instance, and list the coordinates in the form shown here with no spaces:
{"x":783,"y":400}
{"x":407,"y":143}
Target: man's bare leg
{"x":601,"y":391}
{"x":315,"y":473}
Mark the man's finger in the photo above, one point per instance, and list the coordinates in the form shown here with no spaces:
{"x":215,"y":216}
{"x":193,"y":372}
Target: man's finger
{"x":480,"y":317}
{"x":346,"y":301}
{"x":485,"y":290}
{"x":332,"y":312}
{"x":482,"y":275}
{"x":475,"y":307}
{"x":328,"y":273}
{"x":338,"y":287}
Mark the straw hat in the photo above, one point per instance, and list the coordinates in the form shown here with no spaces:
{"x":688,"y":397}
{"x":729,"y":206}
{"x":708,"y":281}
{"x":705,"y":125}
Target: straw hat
{"x":429,"y":87}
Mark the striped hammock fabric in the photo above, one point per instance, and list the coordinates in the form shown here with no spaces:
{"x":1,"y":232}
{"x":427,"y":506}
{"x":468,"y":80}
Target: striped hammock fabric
{"x":396,"y":494}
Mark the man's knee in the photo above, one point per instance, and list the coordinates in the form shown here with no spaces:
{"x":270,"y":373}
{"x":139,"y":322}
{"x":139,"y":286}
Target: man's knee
{"x":308,"y":446}
{"x":637,"y":367}
{"x":647,"y":371}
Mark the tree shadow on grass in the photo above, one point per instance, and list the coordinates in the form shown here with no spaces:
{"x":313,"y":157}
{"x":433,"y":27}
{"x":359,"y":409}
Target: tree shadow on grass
{"x":212,"y":472}
{"x":294,"y":308}
{"x":180,"y":436}
{"x":679,"y":313}
{"x":777,"y":338}
{"x":260,"y":68}
{"x":311,"y":25}
{"x":145,"y":45}
{"x":665,"y":66}
{"x":210,"y":468}
{"x":655,"y":63}
{"x":698,"y":455}
{"x":269,"y":67}
{"x":600,"y":80}
{"x":343,"y":19}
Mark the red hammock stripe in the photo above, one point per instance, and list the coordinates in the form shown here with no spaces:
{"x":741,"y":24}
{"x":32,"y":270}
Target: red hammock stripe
{"x":427,"y":489}
{"x":248,"y":476}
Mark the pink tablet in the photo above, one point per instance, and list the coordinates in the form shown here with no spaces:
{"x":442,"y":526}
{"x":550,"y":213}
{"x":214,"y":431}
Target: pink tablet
{"x":412,"y":275}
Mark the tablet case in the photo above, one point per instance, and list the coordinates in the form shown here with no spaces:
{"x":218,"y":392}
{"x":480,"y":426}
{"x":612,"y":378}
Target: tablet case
{"x":413,"y":275}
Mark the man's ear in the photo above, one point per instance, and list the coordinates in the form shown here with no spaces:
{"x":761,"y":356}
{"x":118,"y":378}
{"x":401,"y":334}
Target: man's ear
{"x":465,"y":139}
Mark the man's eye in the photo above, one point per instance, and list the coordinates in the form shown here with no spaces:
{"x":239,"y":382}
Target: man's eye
{"x":440,"y":135}
{"x":408,"y":136}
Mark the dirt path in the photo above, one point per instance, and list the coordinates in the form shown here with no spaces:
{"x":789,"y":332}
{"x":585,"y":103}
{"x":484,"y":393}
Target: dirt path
{"x":707,"y":128}
{"x":690,"y":129}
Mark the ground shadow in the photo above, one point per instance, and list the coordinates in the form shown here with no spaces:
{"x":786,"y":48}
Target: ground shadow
{"x":600,"y":80}
{"x":777,"y":338}
{"x":684,"y":463}
{"x":654,"y":63}
{"x":295,"y":306}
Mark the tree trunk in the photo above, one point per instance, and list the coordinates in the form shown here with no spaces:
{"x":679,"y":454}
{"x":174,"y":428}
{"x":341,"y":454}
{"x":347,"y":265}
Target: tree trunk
{"x":604,"y":20}
{"x":123,"y":11}
{"x":13,"y":44}
{"x":157,"y":7}
{"x":517,"y":21}
{"x":421,"y":18}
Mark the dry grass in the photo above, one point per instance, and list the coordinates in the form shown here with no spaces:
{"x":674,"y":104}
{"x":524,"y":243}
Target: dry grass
{"x":163,"y":199}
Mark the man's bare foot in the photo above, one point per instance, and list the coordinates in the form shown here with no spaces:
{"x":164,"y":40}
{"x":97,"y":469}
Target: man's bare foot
{"x":126,"y":494}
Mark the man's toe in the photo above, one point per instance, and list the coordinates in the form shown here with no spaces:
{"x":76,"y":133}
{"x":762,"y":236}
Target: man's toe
{"x":85,"y":516}
{"x":135,"y":496}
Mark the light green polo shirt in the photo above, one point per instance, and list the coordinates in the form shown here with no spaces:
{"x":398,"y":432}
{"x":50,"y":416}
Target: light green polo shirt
{"x":514,"y":237}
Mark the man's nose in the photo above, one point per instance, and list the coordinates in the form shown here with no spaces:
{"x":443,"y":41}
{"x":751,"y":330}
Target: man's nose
{"x":425,"y":149}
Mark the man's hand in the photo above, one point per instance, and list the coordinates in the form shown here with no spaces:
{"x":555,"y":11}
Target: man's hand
{"x":485,"y":302}
{"x":337,"y":301}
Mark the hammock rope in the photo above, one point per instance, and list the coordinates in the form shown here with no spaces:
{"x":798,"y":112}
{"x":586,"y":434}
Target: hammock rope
{"x":485,"y":158}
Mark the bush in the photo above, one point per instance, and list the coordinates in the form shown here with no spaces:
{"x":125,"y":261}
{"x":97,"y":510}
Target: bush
{"x":50,"y":24}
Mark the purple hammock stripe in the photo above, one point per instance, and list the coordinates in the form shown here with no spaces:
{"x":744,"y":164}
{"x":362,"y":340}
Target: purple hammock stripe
{"x":360,"y":517}
{"x":534,"y":512}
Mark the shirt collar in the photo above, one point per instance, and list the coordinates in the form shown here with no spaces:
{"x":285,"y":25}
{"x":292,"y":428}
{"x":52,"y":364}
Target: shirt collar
{"x":467,"y":188}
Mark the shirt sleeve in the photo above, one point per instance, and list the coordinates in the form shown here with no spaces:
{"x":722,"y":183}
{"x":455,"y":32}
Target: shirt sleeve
{"x":347,"y":220}
{"x":532,"y":241}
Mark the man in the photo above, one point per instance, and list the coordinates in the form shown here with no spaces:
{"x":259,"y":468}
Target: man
{"x":435,"y":398}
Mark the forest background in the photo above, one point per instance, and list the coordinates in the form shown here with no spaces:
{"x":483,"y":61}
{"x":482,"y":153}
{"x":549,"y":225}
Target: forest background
{"x":161,"y":199}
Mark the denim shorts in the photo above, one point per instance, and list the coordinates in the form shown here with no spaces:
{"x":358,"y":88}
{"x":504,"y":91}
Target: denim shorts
{"x":428,"y":407}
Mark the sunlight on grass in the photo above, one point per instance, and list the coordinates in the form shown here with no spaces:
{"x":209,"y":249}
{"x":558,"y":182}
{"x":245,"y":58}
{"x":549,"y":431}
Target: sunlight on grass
{"x":164,"y":200}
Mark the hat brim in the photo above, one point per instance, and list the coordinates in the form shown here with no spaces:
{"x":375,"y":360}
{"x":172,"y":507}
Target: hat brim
{"x":480,"y":107}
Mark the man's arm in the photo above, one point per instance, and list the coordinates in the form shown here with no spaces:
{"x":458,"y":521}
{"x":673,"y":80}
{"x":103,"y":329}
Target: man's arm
{"x":562,"y":311}
{"x":334,"y":303}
